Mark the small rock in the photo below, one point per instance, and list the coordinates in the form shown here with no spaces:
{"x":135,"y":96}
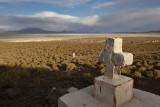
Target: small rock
{"x":12,"y":92}
{"x":53,"y":88}
{"x":72,"y":89}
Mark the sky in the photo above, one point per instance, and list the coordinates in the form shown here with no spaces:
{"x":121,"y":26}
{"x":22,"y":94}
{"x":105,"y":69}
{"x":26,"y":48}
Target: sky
{"x":81,"y":15}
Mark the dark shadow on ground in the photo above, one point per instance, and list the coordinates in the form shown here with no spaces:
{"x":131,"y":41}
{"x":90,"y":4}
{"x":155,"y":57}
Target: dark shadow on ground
{"x":36,"y":83}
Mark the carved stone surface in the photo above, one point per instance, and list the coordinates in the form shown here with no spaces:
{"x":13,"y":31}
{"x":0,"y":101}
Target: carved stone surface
{"x":113,"y":57}
{"x":113,"y":91}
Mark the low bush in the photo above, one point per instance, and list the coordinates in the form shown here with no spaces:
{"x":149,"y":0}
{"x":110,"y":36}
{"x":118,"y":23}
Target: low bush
{"x":63,"y":77}
{"x":157,"y":65}
{"x":102,"y":71}
{"x":142,"y":69}
{"x":149,"y":74}
{"x":149,"y":67}
{"x":157,"y":73}
{"x":54,"y":66}
{"x":100,"y":65}
{"x":145,"y":63}
{"x":138,"y":64}
{"x":136,"y":74}
{"x":88,"y":77}
{"x":150,"y":62}
{"x":9,"y":78}
{"x":125,"y":70}
{"x":70,"y":66}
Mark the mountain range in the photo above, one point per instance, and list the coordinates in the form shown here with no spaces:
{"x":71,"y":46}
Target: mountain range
{"x":33,"y":31}
{"x":42,"y":31}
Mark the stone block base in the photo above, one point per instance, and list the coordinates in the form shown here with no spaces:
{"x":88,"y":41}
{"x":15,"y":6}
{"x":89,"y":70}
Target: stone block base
{"x":85,"y":98}
{"x":113,"y":91}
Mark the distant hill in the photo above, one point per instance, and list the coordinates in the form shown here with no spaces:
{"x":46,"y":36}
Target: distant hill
{"x":31,"y":30}
{"x":2,"y":31}
{"x":39,"y":31}
{"x":157,"y":31}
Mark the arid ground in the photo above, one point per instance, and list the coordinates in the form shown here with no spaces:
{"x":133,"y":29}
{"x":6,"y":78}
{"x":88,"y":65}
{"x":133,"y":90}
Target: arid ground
{"x":29,"y":70}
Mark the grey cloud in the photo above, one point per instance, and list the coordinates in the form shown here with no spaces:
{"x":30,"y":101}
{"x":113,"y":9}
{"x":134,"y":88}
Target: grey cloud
{"x":129,"y":21}
{"x":47,"y":23}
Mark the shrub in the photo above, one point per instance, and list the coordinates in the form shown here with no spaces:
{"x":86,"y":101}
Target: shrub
{"x":145,"y":63}
{"x":54,"y":66}
{"x":102,"y":71}
{"x":131,"y":67}
{"x":88,"y":77}
{"x":137,"y":75}
{"x":9,"y":78}
{"x":157,"y":57}
{"x":36,"y":82}
{"x":100,"y":65}
{"x":142,"y":69}
{"x":157,"y":73}
{"x":149,"y":67}
{"x":70,"y":66}
{"x":78,"y":61}
{"x":149,"y":74}
{"x":64,"y":77}
{"x":64,"y":62}
{"x":125,"y":70}
{"x":150,"y":62}
{"x":138,"y":64}
{"x":134,"y":67}
{"x":157,"y":65}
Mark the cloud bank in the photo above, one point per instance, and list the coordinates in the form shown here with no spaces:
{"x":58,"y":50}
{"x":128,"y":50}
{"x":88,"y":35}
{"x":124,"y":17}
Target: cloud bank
{"x":137,"y":20}
{"x":128,"y":21}
{"x":49,"y":21}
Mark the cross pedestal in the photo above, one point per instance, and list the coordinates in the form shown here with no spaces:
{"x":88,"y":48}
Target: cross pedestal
{"x":114,"y":92}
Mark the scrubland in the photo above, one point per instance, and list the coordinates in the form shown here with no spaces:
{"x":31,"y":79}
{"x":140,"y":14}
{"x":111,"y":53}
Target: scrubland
{"x":35,"y":67}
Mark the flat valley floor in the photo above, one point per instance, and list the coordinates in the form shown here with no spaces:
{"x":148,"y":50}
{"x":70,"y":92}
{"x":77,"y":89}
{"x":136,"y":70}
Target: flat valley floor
{"x":51,"y":37}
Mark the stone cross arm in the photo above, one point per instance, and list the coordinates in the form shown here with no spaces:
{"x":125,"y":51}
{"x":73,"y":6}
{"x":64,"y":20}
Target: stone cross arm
{"x":118,"y":59}
{"x":113,"y":57}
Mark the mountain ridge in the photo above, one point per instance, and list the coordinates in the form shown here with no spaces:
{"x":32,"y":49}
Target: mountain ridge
{"x":31,"y":30}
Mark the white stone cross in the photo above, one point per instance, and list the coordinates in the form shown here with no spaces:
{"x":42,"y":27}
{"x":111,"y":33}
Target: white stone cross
{"x":114,"y":58}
